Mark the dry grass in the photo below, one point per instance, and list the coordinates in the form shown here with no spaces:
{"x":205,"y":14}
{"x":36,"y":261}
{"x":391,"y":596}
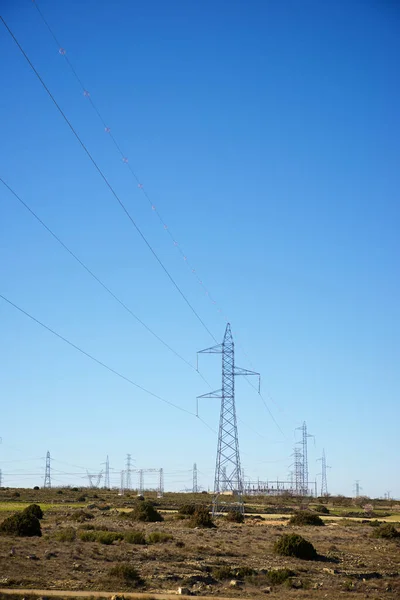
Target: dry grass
{"x":354,"y":564}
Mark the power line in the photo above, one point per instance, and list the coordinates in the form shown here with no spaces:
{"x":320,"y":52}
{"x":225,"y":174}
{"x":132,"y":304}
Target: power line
{"x":96,"y":278}
{"x":140,"y":185}
{"x":108,"y":184}
{"x":93,"y":358}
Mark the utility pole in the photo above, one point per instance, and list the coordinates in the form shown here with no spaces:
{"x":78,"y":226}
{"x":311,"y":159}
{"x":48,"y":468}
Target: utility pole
{"x":357,"y":488}
{"x":228,"y":454}
{"x":161,"y":484}
{"x":305,"y":435}
{"x":128,"y":472}
{"x":195,"y":487}
{"x":121,"y":491}
{"x":107,"y":475}
{"x":324,"y":484}
{"x":298,"y":471}
{"x":47,"y":477}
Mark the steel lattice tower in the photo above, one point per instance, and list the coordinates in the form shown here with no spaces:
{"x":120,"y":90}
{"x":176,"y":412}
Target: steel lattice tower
{"x":324,"y":484}
{"x":305,"y":435}
{"x":107,"y":475}
{"x":195,"y":486}
{"x":47,"y":478}
{"x":128,"y":472}
{"x":298,"y":471}
{"x":228,"y":475}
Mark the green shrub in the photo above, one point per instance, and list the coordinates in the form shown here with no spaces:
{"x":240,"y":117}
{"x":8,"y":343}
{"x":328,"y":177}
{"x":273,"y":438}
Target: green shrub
{"x":322,"y":509}
{"x":305,"y":518}
{"x":21,"y":525}
{"x":156,"y":537}
{"x":81,"y":499}
{"x":68,"y":534}
{"x":234,"y":516}
{"x":295,"y":545}
{"x":81,"y":515}
{"x":88,"y":536}
{"x":201,"y":518}
{"x":35,"y":510}
{"x":222,"y":572}
{"x":187,"y":510}
{"x":144,"y":511}
{"x":126,"y":573}
{"x":135,"y":537}
{"x":386,"y":531}
{"x":279,"y":576}
{"x":108,"y":537}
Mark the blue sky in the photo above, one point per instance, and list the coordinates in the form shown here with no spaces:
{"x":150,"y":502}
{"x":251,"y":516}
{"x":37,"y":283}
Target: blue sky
{"x":267,"y":136}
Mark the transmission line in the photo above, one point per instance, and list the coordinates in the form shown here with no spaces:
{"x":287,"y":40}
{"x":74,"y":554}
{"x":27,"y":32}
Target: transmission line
{"x":108,"y":184}
{"x":93,"y":358}
{"x":140,"y":185}
{"x":97,"y":279}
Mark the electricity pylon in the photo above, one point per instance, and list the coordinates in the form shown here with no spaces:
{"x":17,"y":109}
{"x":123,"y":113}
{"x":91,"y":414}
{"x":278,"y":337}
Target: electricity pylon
{"x":324,"y":483}
{"x":47,"y":478}
{"x":228,"y":475}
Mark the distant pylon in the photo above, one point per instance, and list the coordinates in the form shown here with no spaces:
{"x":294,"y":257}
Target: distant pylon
{"x":161,"y":484}
{"x":324,"y":484}
{"x":128,"y":472}
{"x":357,"y":488}
{"x":107,"y":475}
{"x":298,"y":471}
{"x":195,"y":487}
{"x":305,"y":435}
{"x":47,"y":477}
{"x":228,"y":455}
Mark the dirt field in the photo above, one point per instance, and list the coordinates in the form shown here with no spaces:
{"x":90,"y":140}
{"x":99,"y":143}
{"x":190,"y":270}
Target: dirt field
{"x":231,"y":560}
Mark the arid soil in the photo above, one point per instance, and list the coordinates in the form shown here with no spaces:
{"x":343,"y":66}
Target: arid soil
{"x":230,"y":560}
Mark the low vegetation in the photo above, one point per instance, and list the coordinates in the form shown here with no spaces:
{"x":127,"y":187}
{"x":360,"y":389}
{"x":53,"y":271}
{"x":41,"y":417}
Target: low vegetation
{"x":201,"y":518}
{"x":305,"y":517}
{"x":386,"y":531}
{"x":21,"y":525}
{"x":126,"y":573}
{"x":295,"y":545}
{"x":35,"y":510}
{"x":234,"y":516}
{"x":145,"y":512}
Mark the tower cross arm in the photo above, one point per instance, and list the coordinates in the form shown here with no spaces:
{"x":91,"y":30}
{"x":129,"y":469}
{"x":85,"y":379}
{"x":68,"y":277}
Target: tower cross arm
{"x":212,"y":350}
{"x":246,"y":373}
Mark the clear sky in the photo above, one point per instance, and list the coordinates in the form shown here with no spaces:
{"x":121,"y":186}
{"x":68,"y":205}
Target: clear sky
{"x":267,"y":136}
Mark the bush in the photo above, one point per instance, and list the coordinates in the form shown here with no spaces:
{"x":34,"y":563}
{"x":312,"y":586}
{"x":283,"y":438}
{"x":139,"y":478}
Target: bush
{"x":21,"y":525}
{"x":135,"y":537}
{"x":322,"y":509}
{"x":144,"y":511}
{"x":81,"y":499}
{"x":36,"y":487}
{"x":156,"y":537}
{"x":222,"y":572}
{"x":127,"y":573}
{"x":386,"y":531}
{"x":66,"y":535}
{"x":108,"y":537}
{"x":88,"y":536}
{"x":234,"y":516}
{"x":16,"y":495}
{"x":279,"y":576}
{"x":35,"y":510}
{"x":305,"y":518}
{"x":187,"y":509}
{"x":80,"y":516}
{"x":201,"y":518}
{"x":295,"y":545}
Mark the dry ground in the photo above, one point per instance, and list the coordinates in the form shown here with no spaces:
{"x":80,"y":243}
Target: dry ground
{"x":353,"y":564}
